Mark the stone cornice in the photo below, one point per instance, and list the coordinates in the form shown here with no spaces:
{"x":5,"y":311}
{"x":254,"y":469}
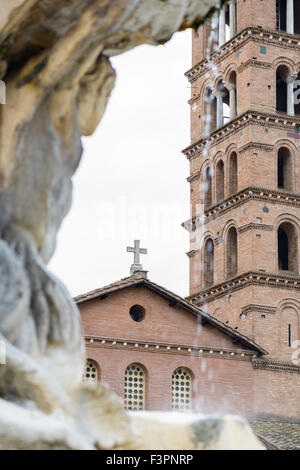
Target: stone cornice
{"x":255,"y":226}
{"x":258,"y":278}
{"x":279,"y":121}
{"x":168,"y":348}
{"x":269,"y":196}
{"x":192,"y":253}
{"x":194,"y":176}
{"x":259,"y":308}
{"x":278,"y":366}
{"x":254,"y":63}
{"x":264,"y":36}
{"x":256,"y":146}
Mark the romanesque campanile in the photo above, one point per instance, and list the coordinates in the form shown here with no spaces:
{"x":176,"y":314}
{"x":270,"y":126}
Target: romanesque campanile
{"x":245,"y":171}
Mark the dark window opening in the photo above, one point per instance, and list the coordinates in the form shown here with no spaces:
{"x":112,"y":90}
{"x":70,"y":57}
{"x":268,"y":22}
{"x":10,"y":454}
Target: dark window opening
{"x":233,"y":174}
{"x":297,"y":94}
{"x":284,"y":171}
{"x":280,"y":172}
{"x":287,"y":248}
{"x":231,"y":253}
{"x":297,"y":16}
{"x":283,"y":250}
{"x":220,"y":181}
{"x":208,"y":268}
{"x":207,"y":186}
{"x":290,"y":335}
{"x":281,"y":89}
{"x":137,"y":313}
{"x":281,"y":15}
{"x":210,"y":112}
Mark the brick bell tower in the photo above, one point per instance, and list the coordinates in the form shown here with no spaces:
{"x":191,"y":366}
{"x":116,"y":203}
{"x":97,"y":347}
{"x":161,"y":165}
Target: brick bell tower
{"x":245,"y":171}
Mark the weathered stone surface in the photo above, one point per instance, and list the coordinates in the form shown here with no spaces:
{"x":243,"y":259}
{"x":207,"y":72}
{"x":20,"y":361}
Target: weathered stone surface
{"x":163,"y":431}
{"x":55,"y":64}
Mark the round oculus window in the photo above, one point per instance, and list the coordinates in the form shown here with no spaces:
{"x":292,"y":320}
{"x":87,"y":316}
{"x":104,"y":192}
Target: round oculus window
{"x":137,"y":313}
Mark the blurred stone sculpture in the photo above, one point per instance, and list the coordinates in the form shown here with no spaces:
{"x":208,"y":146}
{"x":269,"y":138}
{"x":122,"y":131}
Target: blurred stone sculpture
{"x":54,"y":62}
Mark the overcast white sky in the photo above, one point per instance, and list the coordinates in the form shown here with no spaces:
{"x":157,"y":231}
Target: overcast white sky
{"x":132,"y":179}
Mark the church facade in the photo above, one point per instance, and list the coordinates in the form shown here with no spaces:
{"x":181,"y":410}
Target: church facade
{"x":234,"y":344}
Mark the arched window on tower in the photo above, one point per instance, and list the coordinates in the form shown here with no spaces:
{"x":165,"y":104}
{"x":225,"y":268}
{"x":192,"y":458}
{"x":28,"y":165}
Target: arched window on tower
{"x":135,"y":387}
{"x":210,"y":112}
{"x":91,"y":373}
{"x":297,"y":16}
{"x":207,"y":187}
{"x":288,"y":16}
{"x":231,"y":253}
{"x":227,"y":22}
{"x":233,"y":173}
{"x":231,"y":86}
{"x":281,"y":88}
{"x":297,"y":95}
{"x":208,"y":265}
{"x":223,"y":109}
{"x":220,"y":180}
{"x":287,"y":239}
{"x":281,"y":15}
{"x":289,"y":330}
{"x":182,"y":385}
{"x":284,"y":169}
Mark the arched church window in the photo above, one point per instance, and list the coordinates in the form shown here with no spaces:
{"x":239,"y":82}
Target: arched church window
{"x":207,"y":187}
{"x":220,"y":180}
{"x":233,"y":173}
{"x":210,"y":112}
{"x":231,"y":86}
{"x":281,"y":15}
{"x":288,"y":16}
{"x":227,"y":22}
{"x":286,"y":94}
{"x":231,"y":252}
{"x":288,"y":330}
{"x":182,"y":389}
{"x":135,"y":387}
{"x":208,"y":265}
{"x":297,"y":94}
{"x":223,"y":105}
{"x":287,"y":239}
{"x":91,"y":371}
{"x":284,"y":169}
{"x":281,"y":88}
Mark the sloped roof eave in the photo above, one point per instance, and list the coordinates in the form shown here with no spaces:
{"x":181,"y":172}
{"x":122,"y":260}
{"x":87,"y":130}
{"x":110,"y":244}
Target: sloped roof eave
{"x":131,"y":282}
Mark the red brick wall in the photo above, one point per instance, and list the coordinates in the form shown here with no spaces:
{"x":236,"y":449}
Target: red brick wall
{"x":220,"y":384}
{"x":223,"y":386}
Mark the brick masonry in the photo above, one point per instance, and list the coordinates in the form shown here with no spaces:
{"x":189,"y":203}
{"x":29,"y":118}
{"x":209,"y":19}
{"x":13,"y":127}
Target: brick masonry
{"x":259,"y":300}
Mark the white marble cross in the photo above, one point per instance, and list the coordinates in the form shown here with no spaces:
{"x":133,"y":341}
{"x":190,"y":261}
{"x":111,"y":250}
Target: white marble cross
{"x":136,"y":266}
{"x":137,"y":251}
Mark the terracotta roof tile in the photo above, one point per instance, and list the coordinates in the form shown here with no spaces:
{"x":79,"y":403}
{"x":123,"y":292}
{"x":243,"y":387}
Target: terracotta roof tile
{"x":276,"y":435}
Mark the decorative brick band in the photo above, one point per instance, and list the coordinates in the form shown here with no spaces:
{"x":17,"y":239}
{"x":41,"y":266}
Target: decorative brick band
{"x":279,"y":121}
{"x":250,"y":278}
{"x":277,"y":366}
{"x":257,"y":34}
{"x":168,"y":348}
{"x":269,"y":196}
